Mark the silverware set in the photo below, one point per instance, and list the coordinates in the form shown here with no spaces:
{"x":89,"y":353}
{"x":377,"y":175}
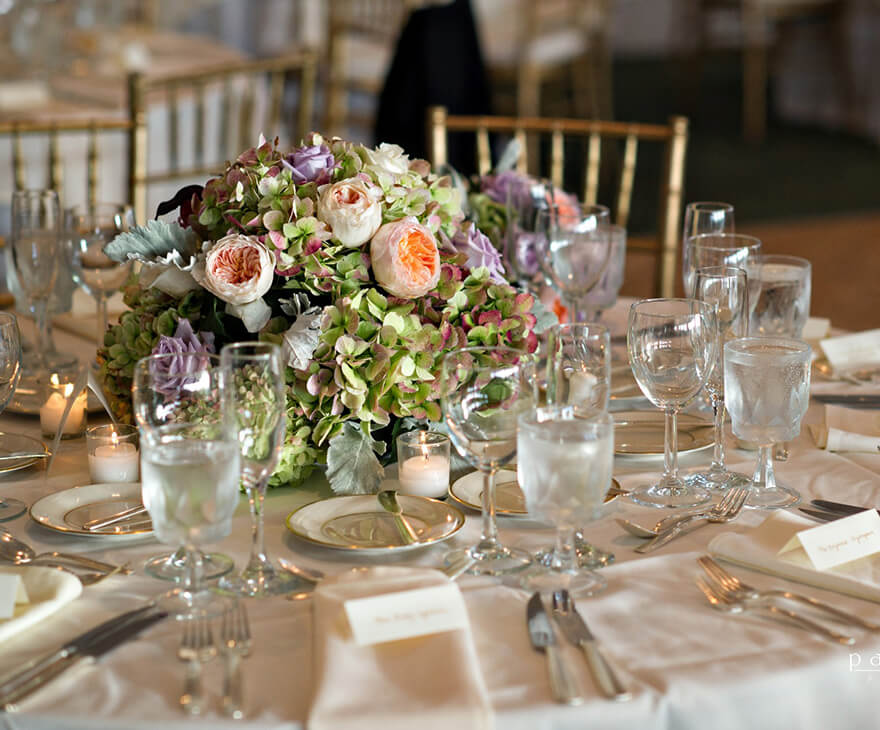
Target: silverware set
{"x":727,"y":593}
{"x":198,"y":647}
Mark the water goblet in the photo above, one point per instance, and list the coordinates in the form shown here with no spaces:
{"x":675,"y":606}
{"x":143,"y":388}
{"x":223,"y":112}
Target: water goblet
{"x":484,"y":389}
{"x":720,"y":249}
{"x":189,"y":463}
{"x":782,"y":304}
{"x":726,"y":288}
{"x":10,"y":373}
{"x":671,"y":345}
{"x":256,"y":372}
{"x":523,"y":239}
{"x":88,"y":230}
{"x":703,"y":217}
{"x":564,"y":462}
{"x":767,"y":392}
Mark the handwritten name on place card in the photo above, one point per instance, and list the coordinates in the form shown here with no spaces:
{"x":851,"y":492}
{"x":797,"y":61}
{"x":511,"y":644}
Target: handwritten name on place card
{"x":841,"y":541}
{"x":402,"y":615}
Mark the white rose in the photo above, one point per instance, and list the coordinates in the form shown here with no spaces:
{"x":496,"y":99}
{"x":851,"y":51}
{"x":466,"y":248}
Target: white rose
{"x":351,"y":209}
{"x":388,"y":158}
{"x":237,"y":269}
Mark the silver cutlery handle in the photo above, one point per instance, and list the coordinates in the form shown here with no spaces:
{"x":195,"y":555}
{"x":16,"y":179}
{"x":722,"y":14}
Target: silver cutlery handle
{"x":562,"y":683}
{"x":604,"y":674}
{"x":232,"y":686}
{"x":670,"y":534}
{"x":191,"y":700}
{"x":88,"y":562}
{"x":840,"y":614}
{"x":8,"y":702}
{"x":809,"y":624}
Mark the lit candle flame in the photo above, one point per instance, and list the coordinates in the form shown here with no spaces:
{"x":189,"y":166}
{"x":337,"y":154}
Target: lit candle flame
{"x":114,"y":440}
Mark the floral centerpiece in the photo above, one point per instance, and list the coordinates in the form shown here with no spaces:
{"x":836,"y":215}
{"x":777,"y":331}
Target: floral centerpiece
{"x":358,"y":262}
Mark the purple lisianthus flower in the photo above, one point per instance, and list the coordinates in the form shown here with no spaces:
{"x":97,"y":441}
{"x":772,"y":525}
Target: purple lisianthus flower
{"x":474,"y":244}
{"x":172,"y":373}
{"x":310,"y":163}
{"x":509,"y":185}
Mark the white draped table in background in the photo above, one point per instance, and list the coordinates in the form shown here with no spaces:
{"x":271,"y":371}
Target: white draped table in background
{"x":691,"y":667}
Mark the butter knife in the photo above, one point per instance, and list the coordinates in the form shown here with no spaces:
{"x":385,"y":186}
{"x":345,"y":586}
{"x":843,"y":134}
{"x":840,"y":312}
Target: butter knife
{"x":563,"y":685}
{"x":578,"y":633}
{"x":839,"y":507}
{"x":850,"y":400}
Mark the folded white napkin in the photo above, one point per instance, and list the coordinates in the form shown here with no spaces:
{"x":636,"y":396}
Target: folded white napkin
{"x":428,"y":682}
{"x":47,"y":591}
{"x":851,"y":352}
{"x":759,"y":549}
{"x":848,"y":429}
{"x":816,"y":328}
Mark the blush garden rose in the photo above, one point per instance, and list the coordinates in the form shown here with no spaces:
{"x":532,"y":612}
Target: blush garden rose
{"x":352,"y":210}
{"x":237,"y":269}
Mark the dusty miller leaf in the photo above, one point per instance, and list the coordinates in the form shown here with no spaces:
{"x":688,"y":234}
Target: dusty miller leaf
{"x":352,"y":465}
{"x":545,"y":318}
{"x":153,"y":241}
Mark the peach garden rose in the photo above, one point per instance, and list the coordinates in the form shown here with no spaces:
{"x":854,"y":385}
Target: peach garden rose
{"x":405,"y":258}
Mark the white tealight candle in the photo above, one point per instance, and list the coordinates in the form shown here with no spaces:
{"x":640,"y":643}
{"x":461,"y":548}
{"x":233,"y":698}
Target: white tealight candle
{"x":53,"y":409}
{"x":116,"y":462}
{"x":424,"y":476}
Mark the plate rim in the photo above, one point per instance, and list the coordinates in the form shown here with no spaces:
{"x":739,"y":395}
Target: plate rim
{"x":658,"y":417}
{"x":84,"y":533}
{"x":462,"y":518}
{"x":40,"y":444}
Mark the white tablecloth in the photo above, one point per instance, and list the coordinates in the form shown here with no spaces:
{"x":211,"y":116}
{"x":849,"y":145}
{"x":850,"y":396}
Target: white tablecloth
{"x":691,"y":667}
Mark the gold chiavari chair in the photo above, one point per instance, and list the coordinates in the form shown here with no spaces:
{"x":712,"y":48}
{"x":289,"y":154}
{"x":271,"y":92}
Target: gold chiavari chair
{"x":237,"y":93}
{"x":596,"y":135}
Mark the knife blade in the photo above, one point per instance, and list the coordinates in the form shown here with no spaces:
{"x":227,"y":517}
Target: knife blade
{"x":578,"y":633}
{"x":849,"y":399}
{"x":839,"y":507}
{"x":822,"y":514}
{"x":78,"y":645}
{"x":543,"y":638}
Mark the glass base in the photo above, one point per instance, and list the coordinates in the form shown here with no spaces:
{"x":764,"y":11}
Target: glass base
{"x":588,"y":555}
{"x":717,"y":481}
{"x":657,"y":495}
{"x":264,"y":583}
{"x":777,"y":497}
{"x":579,"y":583}
{"x":182,"y":605}
{"x":11,"y":508}
{"x":500,"y":561}
{"x":171,"y":566}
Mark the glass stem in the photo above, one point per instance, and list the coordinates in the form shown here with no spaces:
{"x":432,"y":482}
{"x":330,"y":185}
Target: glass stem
{"x":258,"y":559}
{"x":718,"y":451}
{"x":670,"y":446}
{"x":563,"y":557}
{"x":102,"y":319}
{"x":489,"y":531}
{"x":44,"y":342}
{"x":764,"y":477}
{"x":192,"y":577}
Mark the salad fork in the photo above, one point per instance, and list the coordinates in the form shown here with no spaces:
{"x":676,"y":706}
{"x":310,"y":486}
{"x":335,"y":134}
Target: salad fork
{"x":196,"y":647}
{"x":235,"y":644}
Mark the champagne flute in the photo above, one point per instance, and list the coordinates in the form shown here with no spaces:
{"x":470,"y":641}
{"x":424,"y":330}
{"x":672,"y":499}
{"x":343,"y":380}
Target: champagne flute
{"x":702,"y":217}
{"x":10,"y":373}
{"x":564,"y":462}
{"x":767,"y":392}
{"x":484,"y":389}
{"x":726,"y":288}
{"x":189,"y":463}
{"x":256,"y":372}
{"x":671,"y":345}
{"x":720,"y":249}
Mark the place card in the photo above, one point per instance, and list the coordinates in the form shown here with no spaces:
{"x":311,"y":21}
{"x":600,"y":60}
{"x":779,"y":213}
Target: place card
{"x":840,"y":541}
{"x":12,"y":593}
{"x":405,"y":614}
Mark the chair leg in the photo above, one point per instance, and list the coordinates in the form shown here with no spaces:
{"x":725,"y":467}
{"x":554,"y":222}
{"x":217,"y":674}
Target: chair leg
{"x":754,"y":74}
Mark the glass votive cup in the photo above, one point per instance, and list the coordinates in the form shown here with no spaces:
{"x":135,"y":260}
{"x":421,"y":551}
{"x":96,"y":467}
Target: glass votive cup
{"x":423,"y":463}
{"x":113,"y":453}
{"x":58,"y":390}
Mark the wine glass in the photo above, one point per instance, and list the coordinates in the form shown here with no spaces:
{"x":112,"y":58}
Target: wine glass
{"x":88,"y":230}
{"x":703,"y":217}
{"x":575,"y":252}
{"x":719,"y":249}
{"x":564,"y":461}
{"x":523,"y":239}
{"x":604,"y":294}
{"x":782,"y":305}
{"x":34,"y":242}
{"x":767,"y":392}
{"x":256,"y":371}
{"x":10,"y":373}
{"x":726,"y":288}
{"x":671,"y":345}
{"x":189,"y":463}
{"x":484,"y":389}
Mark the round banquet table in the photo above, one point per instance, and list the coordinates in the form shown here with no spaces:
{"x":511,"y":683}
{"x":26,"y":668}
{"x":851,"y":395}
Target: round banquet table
{"x":690,"y":666}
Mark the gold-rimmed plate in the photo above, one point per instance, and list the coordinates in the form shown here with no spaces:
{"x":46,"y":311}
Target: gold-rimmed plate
{"x":68,"y":510}
{"x":509,"y":498}
{"x":359,"y":523}
{"x":641,"y":433}
{"x":16,"y":443}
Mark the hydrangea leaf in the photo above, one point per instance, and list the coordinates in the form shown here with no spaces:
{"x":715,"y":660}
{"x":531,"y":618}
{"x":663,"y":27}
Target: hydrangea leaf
{"x":352,"y":464}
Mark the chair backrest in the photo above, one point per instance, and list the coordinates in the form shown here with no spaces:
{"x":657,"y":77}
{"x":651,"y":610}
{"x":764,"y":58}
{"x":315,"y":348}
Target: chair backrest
{"x":210,"y":116}
{"x":596,"y":136}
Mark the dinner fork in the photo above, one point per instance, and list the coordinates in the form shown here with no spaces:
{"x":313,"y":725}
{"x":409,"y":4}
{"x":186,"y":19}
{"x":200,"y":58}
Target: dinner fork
{"x":235,"y":643}
{"x":727,"y":509}
{"x":736,"y":588}
{"x":196,"y":647}
{"x":721,"y":601}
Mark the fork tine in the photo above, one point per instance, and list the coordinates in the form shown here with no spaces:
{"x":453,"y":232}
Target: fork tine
{"x":714,"y":570}
{"x":711,"y":596}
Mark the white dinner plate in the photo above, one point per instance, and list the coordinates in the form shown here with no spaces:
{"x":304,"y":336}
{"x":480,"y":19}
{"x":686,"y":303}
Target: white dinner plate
{"x":641,"y":433}
{"x":509,"y":498}
{"x":12,"y":443}
{"x":625,"y":393}
{"x":48,"y":590}
{"x":359,"y":523}
{"x":67,"y":510}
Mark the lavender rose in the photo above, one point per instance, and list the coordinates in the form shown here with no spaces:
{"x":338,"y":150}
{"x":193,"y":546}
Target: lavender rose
{"x":166,"y":373}
{"x":474,"y":244}
{"x":310,"y":163}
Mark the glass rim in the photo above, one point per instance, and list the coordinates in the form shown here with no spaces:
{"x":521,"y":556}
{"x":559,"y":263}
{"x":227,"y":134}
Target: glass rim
{"x":657,"y":300}
{"x":797,"y":348}
{"x":592,"y":417}
{"x":259,"y":350}
{"x":710,"y":205}
{"x":799,"y":261}
{"x":416,"y":437}
{"x":122,"y":430}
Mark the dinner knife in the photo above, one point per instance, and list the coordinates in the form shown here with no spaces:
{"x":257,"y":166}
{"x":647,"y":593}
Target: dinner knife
{"x":852,"y":400}
{"x":543,"y":638}
{"x":82,"y":644}
{"x":839,"y":507}
{"x":822,"y":514}
{"x":578,"y":633}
